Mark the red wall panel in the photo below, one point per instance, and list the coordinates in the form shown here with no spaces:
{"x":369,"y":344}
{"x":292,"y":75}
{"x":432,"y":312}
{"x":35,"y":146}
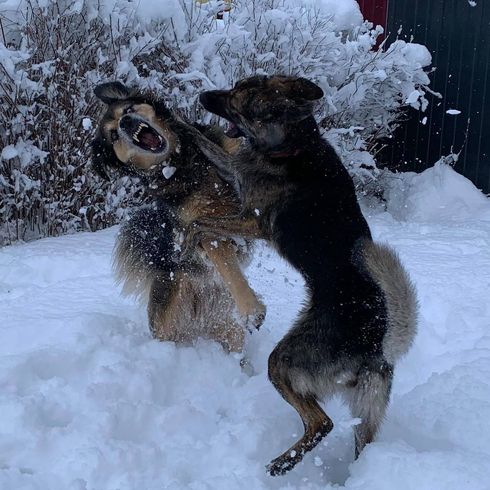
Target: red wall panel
{"x":375,"y":11}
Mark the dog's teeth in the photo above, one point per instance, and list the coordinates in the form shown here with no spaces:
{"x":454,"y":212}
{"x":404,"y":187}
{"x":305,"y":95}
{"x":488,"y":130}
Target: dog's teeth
{"x":143,"y":125}
{"x":136,"y":134}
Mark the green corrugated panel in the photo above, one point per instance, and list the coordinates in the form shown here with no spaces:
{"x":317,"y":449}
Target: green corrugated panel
{"x":458,"y":35}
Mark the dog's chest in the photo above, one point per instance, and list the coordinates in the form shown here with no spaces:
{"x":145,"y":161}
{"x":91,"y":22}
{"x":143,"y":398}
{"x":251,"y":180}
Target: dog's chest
{"x":214,"y":199}
{"x":261,"y":190}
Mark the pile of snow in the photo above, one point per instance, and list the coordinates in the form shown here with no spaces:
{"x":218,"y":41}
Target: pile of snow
{"x":437,"y":193}
{"x":89,"y":401}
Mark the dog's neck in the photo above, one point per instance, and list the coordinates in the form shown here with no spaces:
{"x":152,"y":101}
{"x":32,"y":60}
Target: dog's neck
{"x":285,"y":153}
{"x":294,"y":140}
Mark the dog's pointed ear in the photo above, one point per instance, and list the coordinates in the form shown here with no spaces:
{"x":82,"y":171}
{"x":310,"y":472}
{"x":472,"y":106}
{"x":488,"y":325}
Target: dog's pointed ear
{"x":111,"y":92}
{"x":302,"y":88}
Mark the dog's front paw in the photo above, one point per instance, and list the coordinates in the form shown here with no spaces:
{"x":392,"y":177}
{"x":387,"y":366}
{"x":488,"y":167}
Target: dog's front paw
{"x":252,"y":313}
{"x":247,"y":366}
{"x":255,"y":319}
{"x":283,"y":464}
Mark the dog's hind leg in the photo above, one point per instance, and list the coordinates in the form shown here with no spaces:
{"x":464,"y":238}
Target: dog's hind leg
{"x":229,"y":334}
{"x":368,"y":400}
{"x":316,"y":422}
{"x":172,"y":309}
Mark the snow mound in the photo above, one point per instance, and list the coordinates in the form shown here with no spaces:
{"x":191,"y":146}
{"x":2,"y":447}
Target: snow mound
{"x":89,"y":401}
{"x":397,"y":465}
{"x":438,"y":193}
{"x":448,"y":399}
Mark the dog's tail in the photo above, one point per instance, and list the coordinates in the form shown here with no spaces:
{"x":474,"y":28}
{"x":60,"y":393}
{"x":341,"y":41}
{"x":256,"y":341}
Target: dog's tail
{"x":145,"y":249}
{"x":386,"y":269}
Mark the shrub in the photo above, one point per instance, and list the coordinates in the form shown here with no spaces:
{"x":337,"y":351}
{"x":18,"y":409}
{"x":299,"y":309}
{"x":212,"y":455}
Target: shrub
{"x":54,"y":52}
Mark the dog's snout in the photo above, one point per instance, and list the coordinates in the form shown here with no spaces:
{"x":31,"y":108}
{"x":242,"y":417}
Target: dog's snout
{"x":207,"y":99}
{"x":128,"y":123}
{"x":209,"y":96}
{"x":214,"y":101}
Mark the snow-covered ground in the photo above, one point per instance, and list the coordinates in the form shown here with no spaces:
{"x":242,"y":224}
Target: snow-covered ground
{"x":88,"y":401}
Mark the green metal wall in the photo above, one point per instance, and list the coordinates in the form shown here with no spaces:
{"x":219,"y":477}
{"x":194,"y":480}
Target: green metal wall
{"x":458,"y":36}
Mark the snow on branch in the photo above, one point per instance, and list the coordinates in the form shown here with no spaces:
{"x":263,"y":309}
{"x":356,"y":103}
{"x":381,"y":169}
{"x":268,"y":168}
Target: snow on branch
{"x":54,"y":52}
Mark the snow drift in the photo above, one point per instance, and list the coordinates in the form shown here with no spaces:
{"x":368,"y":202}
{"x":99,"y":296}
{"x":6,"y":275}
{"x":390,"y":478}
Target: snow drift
{"x":437,"y":193}
{"x":88,"y":401}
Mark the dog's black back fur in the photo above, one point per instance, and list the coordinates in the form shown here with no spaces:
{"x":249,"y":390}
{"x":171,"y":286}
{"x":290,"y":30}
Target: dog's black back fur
{"x":318,"y":230}
{"x":318,"y":227}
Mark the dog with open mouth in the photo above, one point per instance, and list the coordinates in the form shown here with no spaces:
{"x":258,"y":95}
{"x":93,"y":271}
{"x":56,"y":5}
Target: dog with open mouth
{"x":205,"y":295}
{"x":360,"y":315}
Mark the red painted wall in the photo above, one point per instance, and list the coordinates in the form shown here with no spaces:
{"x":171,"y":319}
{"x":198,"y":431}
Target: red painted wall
{"x":375,"y":11}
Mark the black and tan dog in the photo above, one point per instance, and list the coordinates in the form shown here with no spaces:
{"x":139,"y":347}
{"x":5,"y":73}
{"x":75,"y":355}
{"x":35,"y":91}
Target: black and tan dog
{"x":360,"y":315}
{"x":187,"y":298}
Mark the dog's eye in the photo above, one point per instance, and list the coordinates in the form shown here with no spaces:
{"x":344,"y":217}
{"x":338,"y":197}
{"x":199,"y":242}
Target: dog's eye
{"x":128,"y":110}
{"x":114,"y":135}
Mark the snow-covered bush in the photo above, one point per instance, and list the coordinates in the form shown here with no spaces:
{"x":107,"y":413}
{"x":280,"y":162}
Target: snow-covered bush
{"x":53,"y":53}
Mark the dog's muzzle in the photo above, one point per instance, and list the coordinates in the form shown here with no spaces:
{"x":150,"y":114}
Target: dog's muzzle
{"x":142,"y":134}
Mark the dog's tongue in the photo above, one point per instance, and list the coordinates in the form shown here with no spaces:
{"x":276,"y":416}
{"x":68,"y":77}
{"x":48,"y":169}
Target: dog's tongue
{"x":149,"y":139}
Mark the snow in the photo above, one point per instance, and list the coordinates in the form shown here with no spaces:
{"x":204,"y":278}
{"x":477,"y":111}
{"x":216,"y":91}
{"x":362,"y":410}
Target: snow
{"x":89,"y":401}
{"x":438,"y":192}
{"x":345,"y":14}
{"x":417,"y":54}
{"x":86,"y":123}
{"x":9,"y":152}
{"x":413,"y":97}
{"x":453,"y":112}
{"x":10,"y":4}
{"x":168,"y":171}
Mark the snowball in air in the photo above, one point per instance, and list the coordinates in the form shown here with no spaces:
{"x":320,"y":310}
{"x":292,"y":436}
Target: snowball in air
{"x":86,"y":123}
{"x":168,"y":172}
